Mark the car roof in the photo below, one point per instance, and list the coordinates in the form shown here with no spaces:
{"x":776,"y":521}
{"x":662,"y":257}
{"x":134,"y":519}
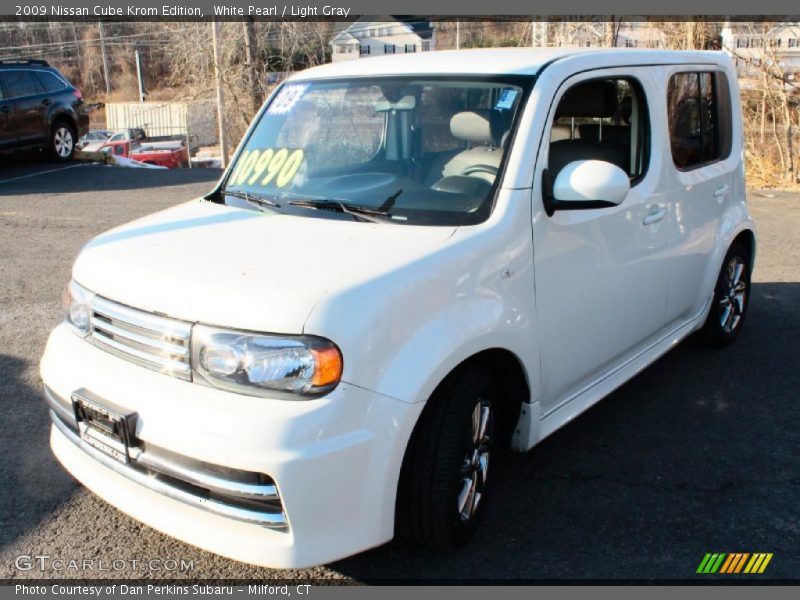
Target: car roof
{"x":39,"y":66}
{"x":494,"y":61}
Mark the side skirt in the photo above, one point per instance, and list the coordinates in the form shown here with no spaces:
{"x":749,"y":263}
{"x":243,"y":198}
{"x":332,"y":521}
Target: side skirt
{"x":533,"y":427}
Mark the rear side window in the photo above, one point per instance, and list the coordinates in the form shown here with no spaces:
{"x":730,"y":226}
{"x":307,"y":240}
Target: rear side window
{"x":699,"y":108}
{"x":20,"y":83}
{"x":50,"y":82}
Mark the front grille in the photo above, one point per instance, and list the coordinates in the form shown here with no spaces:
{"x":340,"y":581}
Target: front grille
{"x":152,"y":341}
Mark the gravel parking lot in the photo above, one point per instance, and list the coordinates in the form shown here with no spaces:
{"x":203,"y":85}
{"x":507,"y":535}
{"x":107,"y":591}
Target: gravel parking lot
{"x":697,"y":454}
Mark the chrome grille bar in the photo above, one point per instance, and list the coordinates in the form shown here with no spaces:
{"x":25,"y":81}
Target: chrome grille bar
{"x":157,"y":345}
{"x":152,"y":341}
{"x":146,"y":467}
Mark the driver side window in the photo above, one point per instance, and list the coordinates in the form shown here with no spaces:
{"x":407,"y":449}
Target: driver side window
{"x":602,"y":119}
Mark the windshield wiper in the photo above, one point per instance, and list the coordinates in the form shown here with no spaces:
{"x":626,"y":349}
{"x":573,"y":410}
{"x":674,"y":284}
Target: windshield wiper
{"x":355,"y":210}
{"x":254,"y":199}
{"x":389,"y":202}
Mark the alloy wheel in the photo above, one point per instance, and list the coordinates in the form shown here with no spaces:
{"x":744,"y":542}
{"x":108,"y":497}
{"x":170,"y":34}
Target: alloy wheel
{"x":475,"y":465}
{"x":734,"y":295}
{"x":62,"y":142}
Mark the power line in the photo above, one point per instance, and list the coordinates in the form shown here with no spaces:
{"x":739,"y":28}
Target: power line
{"x":75,"y":42}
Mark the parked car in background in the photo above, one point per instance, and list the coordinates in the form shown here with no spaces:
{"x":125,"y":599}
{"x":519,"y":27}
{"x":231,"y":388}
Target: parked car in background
{"x":411,"y":263}
{"x":39,"y":109}
{"x":94,"y":136}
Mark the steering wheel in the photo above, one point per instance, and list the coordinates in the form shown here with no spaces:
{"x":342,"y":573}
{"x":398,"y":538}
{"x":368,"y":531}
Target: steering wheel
{"x":479,"y":169}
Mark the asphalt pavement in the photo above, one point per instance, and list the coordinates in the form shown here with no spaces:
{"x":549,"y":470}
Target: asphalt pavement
{"x":699,"y":453}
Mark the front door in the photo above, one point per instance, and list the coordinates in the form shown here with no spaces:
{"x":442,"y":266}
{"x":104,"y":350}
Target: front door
{"x":600,"y":274}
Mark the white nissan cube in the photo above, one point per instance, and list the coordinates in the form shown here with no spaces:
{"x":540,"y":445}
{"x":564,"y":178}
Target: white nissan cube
{"x":412,"y":263}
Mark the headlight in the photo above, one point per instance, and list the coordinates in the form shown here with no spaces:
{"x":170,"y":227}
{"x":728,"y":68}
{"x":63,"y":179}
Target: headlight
{"x":263,"y":365}
{"x":77,"y":311}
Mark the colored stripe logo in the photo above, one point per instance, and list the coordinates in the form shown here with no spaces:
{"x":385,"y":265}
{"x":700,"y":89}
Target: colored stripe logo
{"x":734,"y":562}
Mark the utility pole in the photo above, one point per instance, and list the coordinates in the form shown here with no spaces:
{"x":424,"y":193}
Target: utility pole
{"x":223,"y":144}
{"x":539,"y":33}
{"x":610,"y":33}
{"x":250,"y":61}
{"x":139,"y":76}
{"x":458,"y":35}
{"x":105,"y":57}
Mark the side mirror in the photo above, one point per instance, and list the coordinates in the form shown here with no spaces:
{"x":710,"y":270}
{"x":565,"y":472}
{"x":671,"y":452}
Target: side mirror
{"x":586,"y":184}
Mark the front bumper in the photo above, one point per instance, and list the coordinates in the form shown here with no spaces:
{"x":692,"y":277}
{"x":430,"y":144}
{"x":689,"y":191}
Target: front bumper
{"x":332,"y":462}
{"x":235,"y":494}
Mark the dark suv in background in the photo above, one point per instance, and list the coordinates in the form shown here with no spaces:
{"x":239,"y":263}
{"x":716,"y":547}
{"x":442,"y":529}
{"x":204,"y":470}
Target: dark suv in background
{"x":39,"y":108}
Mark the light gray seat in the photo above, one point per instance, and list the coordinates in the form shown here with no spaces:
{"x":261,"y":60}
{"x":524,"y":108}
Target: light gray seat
{"x":563,"y":132}
{"x":483,"y":130}
{"x":593,"y":99}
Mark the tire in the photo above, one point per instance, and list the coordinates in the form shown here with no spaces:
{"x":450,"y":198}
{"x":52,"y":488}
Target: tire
{"x":62,"y":141}
{"x":731,"y":299}
{"x":445,"y":474}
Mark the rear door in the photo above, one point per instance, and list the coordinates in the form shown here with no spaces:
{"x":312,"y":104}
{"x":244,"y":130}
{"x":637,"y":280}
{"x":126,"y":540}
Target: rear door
{"x":701,"y":162}
{"x":8,"y":133}
{"x":31,"y":105}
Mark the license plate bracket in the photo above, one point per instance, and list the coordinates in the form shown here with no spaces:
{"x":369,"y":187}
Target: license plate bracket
{"x":105,"y":426}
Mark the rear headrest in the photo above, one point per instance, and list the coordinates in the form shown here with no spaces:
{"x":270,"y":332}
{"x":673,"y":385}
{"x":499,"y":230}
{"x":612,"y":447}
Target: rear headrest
{"x":590,"y":99}
{"x":481,"y":126}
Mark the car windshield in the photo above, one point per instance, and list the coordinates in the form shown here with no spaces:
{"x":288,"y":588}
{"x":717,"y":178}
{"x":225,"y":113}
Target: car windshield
{"x":399,"y":150}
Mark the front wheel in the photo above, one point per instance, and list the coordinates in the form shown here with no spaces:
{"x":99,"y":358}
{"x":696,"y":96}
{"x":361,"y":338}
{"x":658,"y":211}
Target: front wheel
{"x":444,"y":480}
{"x":62,"y":141}
{"x":731,"y":298}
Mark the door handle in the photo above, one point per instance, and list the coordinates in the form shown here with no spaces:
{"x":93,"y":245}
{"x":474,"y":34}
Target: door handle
{"x":47,"y":102}
{"x":5,"y":109}
{"x":721,"y":191}
{"x":655,"y":215}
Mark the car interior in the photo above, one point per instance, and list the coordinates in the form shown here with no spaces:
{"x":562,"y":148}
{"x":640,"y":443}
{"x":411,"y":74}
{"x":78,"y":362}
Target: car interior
{"x":601,"y":120}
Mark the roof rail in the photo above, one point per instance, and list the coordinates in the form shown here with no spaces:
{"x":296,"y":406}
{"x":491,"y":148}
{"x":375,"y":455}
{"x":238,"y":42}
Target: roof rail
{"x":32,"y":61}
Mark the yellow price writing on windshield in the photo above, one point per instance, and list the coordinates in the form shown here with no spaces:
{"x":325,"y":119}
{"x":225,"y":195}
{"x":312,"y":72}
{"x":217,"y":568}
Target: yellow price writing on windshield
{"x":262,"y":167}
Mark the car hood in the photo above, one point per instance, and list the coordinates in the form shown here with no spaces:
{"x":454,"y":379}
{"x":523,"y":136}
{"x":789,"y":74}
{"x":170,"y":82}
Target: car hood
{"x":239,"y":268}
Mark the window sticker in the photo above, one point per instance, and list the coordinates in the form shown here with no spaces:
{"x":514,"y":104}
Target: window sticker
{"x":506,"y":99}
{"x":287,"y":98}
{"x":262,"y":167}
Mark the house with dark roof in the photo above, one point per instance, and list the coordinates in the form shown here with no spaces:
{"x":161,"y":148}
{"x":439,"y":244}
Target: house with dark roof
{"x":749,"y":44}
{"x":376,"y":36}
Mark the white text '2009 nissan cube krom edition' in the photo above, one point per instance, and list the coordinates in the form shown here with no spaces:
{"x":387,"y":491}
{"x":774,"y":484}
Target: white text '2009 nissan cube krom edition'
{"x":411,"y":263}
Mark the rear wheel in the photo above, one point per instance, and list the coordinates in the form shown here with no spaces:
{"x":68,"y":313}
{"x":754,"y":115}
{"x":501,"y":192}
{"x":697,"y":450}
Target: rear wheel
{"x":62,"y":141}
{"x":731,"y":298}
{"x":445,"y":475}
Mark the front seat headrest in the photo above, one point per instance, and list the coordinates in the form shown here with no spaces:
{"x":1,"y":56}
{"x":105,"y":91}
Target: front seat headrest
{"x":589,"y":99}
{"x":481,"y":127}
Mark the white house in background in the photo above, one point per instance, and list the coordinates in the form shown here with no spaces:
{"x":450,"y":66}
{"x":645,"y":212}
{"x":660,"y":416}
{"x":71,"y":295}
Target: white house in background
{"x":640,"y":35}
{"x":375,"y":36}
{"x":592,"y":33}
{"x":750,"y":43}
